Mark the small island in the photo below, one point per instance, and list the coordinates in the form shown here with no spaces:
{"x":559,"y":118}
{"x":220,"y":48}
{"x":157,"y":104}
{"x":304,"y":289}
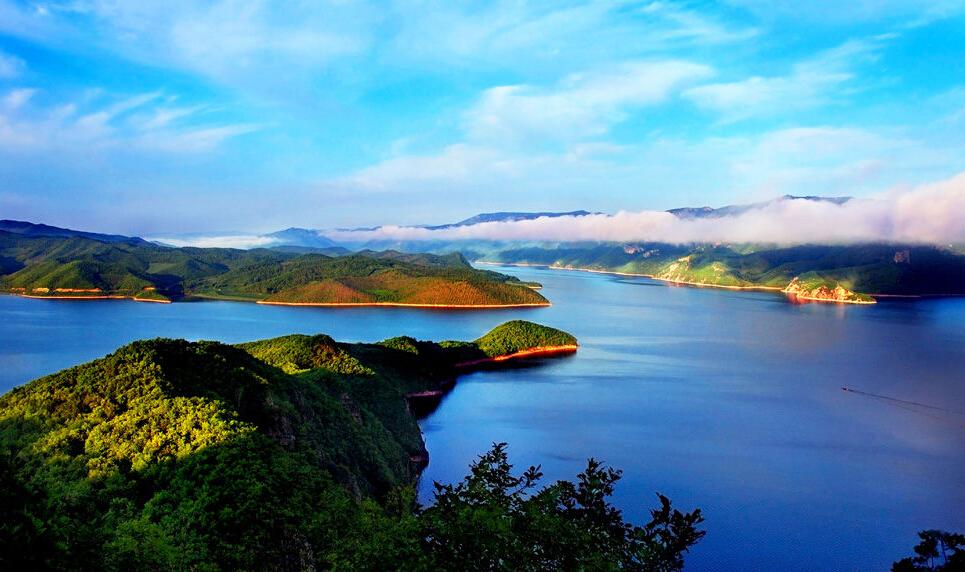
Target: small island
{"x":84,"y":268}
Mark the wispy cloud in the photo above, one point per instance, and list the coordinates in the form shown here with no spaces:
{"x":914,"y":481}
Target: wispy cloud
{"x":581,"y":105}
{"x":457,"y":162}
{"x":145,"y":121}
{"x":517,"y":34}
{"x":926,"y":214}
{"x":504,"y":130}
{"x":811,"y":83}
{"x":15,"y":98}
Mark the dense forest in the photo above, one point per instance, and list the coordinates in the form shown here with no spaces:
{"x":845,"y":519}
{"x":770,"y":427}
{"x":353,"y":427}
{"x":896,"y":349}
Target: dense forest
{"x":82,"y":267}
{"x":294,"y":453}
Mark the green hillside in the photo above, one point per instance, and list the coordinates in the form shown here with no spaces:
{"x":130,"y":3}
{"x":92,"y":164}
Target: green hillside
{"x":865,"y":269}
{"x":83,"y":267}
{"x":293,"y":453}
{"x":520,"y":335}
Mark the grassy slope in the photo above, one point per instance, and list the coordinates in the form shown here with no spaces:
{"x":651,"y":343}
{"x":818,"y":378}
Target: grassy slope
{"x":148,"y":271}
{"x":197,"y":452}
{"x":862,"y":268}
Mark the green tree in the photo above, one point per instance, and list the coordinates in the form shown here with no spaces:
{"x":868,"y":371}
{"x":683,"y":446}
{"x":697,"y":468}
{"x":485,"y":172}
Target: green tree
{"x":495,"y":520}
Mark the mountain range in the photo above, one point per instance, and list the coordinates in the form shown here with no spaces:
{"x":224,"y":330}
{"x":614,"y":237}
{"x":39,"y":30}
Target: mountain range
{"x":833,"y":272}
{"x":33,"y":230}
{"x":734,"y":210}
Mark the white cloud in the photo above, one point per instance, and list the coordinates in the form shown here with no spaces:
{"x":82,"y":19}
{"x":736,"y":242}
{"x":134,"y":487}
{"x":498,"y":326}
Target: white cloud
{"x":814,"y":82}
{"x":925,"y":214}
{"x":284,"y":50}
{"x":16,"y":98}
{"x":665,"y":171}
{"x":455,"y":162}
{"x":578,"y":107}
{"x":581,"y":105}
{"x":252,"y":44}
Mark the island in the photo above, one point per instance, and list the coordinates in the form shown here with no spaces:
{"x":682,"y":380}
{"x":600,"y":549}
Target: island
{"x":89,"y":268}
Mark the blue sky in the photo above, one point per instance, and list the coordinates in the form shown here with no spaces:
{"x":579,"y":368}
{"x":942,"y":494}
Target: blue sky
{"x":166,"y":117}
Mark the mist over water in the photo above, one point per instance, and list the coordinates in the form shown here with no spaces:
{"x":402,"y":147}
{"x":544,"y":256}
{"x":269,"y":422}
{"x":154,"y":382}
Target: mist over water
{"x":730,"y":401}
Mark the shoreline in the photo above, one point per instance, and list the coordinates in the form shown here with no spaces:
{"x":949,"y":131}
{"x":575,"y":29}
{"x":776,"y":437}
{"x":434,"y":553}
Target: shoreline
{"x":310,"y":304}
{"x":539,"y":351}
{"x":423,"y":403}
{"x":829,"y":300}
{"x":634,"y":274}
{"x":405,"y":305}
{"x":719,"y":286}
{"x":104,"y":297}
{"x":88,"y":298}
{"x":723,"y":286}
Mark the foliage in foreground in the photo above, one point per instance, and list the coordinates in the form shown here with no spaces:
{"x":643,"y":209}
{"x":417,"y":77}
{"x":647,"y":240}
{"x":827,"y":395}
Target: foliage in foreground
{"x":251,"y":508}
{"x":493,"y":520}
{"x":938,"y":551}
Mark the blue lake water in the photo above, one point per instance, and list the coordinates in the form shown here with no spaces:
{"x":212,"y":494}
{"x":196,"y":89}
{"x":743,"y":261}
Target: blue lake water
{"x":730,"y":401}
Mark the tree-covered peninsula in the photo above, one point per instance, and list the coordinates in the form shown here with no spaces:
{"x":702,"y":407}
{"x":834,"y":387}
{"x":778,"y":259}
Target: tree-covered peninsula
{"x":295,"y":453}
{"x":855,"y":273}
{"x":81,"y":267}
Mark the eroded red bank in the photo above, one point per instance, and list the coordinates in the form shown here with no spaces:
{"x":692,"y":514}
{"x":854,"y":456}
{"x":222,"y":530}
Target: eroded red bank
{"x":532,"y":352}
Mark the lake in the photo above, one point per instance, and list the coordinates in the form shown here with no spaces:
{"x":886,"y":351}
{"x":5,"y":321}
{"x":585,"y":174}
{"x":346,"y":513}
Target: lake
{"x":730,"y":401}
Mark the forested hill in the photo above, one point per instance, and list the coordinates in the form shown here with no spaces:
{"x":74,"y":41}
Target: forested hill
{"x":859,"y":271}
{"x":295,"y":453}
{"x":82,"y":267}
